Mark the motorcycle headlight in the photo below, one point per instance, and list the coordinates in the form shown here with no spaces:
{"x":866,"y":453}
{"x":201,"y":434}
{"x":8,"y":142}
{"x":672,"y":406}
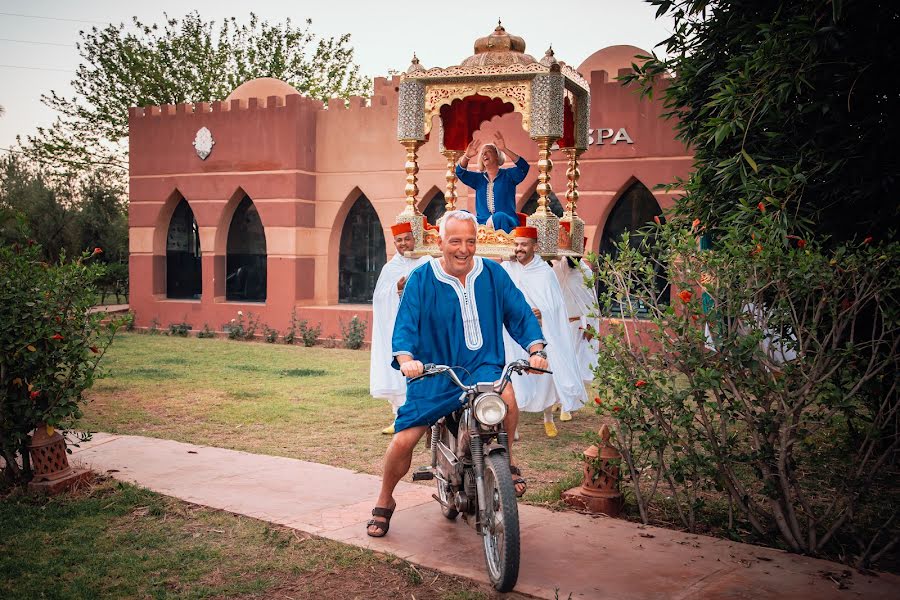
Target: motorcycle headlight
{"x":489,"y":409}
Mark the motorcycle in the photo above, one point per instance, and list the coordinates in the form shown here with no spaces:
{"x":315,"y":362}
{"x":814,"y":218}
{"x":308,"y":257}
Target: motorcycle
{"x":470,"y":464}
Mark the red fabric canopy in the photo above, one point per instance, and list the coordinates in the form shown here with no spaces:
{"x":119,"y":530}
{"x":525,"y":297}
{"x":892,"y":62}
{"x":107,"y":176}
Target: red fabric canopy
{"x":462,"y":118}
{"x":568,"y":138}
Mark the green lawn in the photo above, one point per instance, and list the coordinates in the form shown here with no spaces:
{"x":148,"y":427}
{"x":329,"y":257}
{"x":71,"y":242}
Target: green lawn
{"x":306,"y":403}
{"x":113,"y":540}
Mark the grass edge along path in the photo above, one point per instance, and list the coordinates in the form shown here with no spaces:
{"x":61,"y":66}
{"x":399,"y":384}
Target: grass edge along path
{"x":108,"y":539}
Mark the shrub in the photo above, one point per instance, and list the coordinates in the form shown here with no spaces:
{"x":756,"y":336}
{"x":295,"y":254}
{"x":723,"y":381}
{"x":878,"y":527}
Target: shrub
{"x":206,"y":332}
{"x":290,"y":336}
{"x":154,"y":327}
{"x":354,"y":333}
{"x":252,"y":326}
{"x":773,"y":386}
{"x":128,"y":321}
{"x":51,"y":345}
{"x":180,"y":329}
{"x":310,"y":335}
{"x":270,"y":335}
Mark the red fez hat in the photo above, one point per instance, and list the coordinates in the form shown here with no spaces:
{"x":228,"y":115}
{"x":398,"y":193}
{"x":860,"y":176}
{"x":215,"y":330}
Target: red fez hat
{"x":525,"y":232}
{"x":567,"y":225}
{"x":401,"y":228}
{"x":523,"y":219}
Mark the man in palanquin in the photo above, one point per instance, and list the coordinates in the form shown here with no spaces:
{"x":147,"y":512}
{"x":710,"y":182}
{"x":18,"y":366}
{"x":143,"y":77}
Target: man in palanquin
{"x":538,"y":283}
{"x":452,"y":312}
{"x":495,"y":188}
{"x":385,"y":382}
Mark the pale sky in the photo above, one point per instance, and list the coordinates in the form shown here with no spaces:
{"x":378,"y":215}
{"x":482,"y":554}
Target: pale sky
{"x":38,"y":54}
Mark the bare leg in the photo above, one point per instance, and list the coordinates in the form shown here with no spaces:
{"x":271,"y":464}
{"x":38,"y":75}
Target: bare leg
{"x":511,"y":422}
{"x":397,"y":460}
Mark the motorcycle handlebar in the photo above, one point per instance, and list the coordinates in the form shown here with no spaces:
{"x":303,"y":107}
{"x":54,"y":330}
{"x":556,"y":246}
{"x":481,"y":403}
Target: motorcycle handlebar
{"x":517,"y":366}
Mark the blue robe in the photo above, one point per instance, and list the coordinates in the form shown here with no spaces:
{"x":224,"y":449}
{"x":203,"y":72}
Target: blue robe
{"x":496,"y":198}
{"x":443,"y":322}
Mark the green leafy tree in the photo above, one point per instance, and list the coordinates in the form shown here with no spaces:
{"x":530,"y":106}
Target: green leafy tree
{"x":44,"y":208}
{"x":186,"y":60}
{"x":789,"y":104}
{"x":767,"y":389}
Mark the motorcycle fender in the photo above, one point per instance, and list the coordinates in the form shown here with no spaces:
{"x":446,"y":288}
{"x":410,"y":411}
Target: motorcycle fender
{"x":493,"y":448}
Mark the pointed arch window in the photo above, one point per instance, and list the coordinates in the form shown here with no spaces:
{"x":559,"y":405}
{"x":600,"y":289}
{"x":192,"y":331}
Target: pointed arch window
{"x":245,"y":260}
{"x":436,"y":208}
{"x":362,"y":254}
{"x":633,"y":211}
{"x":532,"y":203}
{"x":184,"y":269}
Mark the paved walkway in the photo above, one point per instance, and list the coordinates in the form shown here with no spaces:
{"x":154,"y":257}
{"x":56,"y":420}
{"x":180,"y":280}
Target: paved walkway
{"x":586,"y":556}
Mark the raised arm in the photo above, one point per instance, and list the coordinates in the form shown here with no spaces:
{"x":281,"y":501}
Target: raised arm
{"x":520,"y":168}
{"x":467,"y":177}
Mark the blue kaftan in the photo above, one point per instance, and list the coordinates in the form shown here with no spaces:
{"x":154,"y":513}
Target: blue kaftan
{"x":443,"y":322}
{"x":496,"y":198}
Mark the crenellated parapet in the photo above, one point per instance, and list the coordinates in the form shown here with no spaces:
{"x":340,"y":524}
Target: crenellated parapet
{"x":226,"y":106}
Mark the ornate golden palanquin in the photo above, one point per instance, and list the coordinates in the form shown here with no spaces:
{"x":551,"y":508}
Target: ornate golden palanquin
{"x":554,"y":101}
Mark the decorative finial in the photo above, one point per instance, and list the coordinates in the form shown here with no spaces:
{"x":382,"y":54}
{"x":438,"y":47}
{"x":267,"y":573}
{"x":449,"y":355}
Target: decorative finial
{"x":414,"y":65}
{"x":549,"y":60}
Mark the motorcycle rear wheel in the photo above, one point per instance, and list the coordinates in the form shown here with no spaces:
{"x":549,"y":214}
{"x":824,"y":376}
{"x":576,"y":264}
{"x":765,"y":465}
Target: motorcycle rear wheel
{"x":501,"y":526}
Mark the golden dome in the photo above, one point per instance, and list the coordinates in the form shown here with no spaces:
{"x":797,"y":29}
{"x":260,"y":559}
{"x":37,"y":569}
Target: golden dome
{"x":499,"y":48}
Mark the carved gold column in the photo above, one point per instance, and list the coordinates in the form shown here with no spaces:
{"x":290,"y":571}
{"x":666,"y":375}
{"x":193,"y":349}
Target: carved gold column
{"x":411,"y":212}
{"x":543,"y":219}
{"x":450,"y":196}
{"x":576,"y":224}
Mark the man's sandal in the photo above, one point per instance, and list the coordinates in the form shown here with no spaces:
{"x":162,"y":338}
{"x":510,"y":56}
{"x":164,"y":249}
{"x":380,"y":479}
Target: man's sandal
{"x":518,"y":481}
{"x":381,"y":526}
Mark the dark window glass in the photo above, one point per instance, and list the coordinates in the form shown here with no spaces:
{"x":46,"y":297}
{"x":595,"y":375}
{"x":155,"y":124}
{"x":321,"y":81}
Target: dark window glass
{"x":246,"y":255}
{"x":632,"y":212}
{"x":184,"y":275}
{"x":435,"y":209}
{"x":555,"y":207}
{"x":362,"y":254}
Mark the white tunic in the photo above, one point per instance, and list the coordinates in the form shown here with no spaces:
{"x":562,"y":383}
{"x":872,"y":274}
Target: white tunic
{"x":534,"y":393}
{"x":581,"y":303}
{"x":386,"y":382}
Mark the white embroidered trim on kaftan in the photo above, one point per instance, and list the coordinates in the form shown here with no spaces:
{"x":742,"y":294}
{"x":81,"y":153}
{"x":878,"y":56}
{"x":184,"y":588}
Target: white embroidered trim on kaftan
{"x":490,"y":196}
{"x":468,"y":308}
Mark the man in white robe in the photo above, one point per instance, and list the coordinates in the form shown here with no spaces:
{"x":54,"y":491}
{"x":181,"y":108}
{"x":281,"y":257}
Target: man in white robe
{"x":385,"y":382}
{"x":538,"y":283}
{"x":580,"y":304}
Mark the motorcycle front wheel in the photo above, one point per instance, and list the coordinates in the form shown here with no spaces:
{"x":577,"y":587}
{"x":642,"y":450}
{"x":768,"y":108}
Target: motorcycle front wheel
{"x":501,"y":525}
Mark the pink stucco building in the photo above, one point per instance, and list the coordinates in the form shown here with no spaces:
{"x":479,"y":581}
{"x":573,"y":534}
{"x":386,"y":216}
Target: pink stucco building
{"x":292,"y":205}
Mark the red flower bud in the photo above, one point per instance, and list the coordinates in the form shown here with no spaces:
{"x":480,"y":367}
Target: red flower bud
{"x":695,"y":224}
{"x":35,"y":394}
{"x":761,"y":207}
{"x":617,"y":408}
{"x":868,"y":240}
{"x":694,"y":318}
{"x":640,"y":383}
{"x":685,"y":295}
{"x":95,"y":350}
{"x":598,"y":401}
{"x":801,"y":244}
{"x":56,"y":337}
{"x":97,"y":251}
{"x":656,"y":220}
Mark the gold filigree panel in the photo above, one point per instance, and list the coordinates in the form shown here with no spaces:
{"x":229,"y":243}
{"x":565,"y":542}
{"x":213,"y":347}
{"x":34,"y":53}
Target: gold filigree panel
{"x":517,"y":94}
